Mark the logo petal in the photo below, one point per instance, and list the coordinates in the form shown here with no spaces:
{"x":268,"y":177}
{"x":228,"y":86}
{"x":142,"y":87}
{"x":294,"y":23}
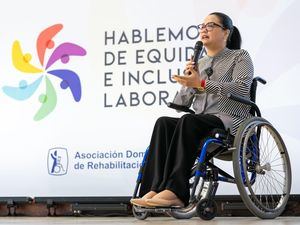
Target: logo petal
{"x":48,"y":101}
{"x":24,"y":91}
{"x":69,"y":79}
{"x":64,"y":51}
{"x":22,"y":62}
{"x":45,"y":41}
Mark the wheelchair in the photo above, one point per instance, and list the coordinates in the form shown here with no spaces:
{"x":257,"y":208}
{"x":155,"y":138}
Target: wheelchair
{"x":261,"y":167}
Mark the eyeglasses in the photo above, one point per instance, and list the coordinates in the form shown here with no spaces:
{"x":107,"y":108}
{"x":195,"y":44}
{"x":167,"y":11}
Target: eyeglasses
{"x":209,"y":26}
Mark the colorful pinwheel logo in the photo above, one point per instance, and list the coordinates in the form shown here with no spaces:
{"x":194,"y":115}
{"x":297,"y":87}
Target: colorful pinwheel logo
{"x":69,"y":79}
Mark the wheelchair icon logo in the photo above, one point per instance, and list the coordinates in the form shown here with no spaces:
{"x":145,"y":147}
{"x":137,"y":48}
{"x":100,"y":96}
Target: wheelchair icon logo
{"x":58,"y":161}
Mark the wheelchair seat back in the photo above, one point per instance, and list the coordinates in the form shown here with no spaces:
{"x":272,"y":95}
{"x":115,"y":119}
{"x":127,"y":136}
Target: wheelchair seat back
{"x":225,"y":153}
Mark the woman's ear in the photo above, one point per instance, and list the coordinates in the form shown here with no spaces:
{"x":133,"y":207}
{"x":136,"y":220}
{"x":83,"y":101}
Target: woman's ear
{"x":227,"y":34}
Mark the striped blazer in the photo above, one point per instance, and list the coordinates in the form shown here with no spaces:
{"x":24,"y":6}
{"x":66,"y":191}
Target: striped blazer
{"x":231,"y":71}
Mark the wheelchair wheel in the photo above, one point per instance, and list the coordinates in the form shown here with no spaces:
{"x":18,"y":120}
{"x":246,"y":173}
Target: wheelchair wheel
{"x":262,"y":168}
{"x":139,"y":214}
{"x":206,"y":210}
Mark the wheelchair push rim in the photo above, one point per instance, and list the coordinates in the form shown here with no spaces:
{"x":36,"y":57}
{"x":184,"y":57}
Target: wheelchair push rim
{"x":262,"y":168}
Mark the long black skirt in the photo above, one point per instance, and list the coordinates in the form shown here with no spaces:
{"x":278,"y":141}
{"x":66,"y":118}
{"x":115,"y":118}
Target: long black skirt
{"x":174,"y":146}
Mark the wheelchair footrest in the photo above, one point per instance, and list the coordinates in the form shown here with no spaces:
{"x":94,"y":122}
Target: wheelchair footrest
{"x":157,"y":209}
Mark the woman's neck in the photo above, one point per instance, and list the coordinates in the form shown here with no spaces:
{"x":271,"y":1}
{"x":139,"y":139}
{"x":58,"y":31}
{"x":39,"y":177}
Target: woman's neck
{"x":214,"y":51}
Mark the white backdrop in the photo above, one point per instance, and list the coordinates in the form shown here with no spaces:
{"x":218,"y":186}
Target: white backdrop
{"x":98,"y":140}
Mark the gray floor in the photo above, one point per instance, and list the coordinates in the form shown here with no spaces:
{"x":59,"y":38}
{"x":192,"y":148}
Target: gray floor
{"x":148,"y":221}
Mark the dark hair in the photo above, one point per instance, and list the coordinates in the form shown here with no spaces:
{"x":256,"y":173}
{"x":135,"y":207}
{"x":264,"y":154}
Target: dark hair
{"x":234,"y":40}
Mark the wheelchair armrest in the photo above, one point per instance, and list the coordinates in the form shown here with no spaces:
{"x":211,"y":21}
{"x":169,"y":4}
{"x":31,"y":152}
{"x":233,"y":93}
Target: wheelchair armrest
{"x":244,"y":101}
{"x":180,"y":107}
{"x":260,"y":80}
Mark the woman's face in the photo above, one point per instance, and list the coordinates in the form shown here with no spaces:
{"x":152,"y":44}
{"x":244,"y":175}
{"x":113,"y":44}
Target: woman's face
{"x":213,"y":34}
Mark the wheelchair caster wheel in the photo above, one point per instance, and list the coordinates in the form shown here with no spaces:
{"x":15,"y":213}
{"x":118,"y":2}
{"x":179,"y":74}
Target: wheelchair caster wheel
{"x":139,"y":214}
{"x":206,"y":210}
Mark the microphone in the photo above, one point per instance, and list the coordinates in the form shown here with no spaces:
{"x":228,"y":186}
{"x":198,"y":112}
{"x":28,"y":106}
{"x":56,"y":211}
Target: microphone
{"x":198,"y":51}
{"x":209,"y":71}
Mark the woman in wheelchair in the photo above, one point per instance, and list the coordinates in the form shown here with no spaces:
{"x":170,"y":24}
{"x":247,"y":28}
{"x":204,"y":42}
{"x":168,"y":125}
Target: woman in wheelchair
{"x":175,"y":142}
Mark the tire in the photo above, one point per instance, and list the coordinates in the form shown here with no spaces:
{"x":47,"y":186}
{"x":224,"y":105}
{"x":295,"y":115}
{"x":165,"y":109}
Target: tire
{"x":139,"y":214}
{"x":206,"y":210}
{"x":262,"y":168}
